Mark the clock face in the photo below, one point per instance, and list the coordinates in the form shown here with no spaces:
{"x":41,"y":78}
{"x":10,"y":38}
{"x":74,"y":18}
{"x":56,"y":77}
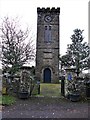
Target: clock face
{"x":47,"y":18}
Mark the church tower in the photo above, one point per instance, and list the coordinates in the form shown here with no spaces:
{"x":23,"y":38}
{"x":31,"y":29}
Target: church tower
{"x":47,"y":46}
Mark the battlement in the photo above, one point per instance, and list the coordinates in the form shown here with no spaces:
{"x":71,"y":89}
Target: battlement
{"x":48,"y":10}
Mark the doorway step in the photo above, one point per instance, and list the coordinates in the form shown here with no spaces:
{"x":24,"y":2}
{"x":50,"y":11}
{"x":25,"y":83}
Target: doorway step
{"x":50,"y":90}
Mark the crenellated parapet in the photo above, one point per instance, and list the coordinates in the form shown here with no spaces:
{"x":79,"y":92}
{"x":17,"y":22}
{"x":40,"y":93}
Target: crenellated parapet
{"x":48,"y":10}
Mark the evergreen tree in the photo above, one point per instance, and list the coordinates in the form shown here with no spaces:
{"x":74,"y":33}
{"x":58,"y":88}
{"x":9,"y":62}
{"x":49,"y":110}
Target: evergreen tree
{"x":77,"y":54}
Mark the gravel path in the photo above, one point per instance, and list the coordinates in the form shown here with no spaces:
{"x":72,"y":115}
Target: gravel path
{"x":46,"y":108}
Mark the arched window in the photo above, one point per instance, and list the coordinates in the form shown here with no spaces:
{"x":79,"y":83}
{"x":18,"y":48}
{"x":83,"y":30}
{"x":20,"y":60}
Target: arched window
{"x":47,"y":34}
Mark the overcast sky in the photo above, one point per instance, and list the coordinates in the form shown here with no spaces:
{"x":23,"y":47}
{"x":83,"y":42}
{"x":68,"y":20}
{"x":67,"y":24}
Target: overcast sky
{"x":73,"y":14}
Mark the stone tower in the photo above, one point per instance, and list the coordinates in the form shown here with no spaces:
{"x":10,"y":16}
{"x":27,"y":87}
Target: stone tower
{"x":47,"y":47}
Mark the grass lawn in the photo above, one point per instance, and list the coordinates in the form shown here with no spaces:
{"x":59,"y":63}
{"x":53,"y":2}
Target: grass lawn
{"x":7,"y":100}
{"x":50,"y":90}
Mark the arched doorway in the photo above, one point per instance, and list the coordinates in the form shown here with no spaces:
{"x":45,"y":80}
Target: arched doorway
{"x":47,"y":75}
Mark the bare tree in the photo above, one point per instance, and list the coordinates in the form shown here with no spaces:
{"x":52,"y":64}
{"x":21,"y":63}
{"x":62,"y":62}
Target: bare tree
{"x":15,"y":50}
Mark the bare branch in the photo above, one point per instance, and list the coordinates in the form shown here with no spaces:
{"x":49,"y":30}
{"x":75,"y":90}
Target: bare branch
{"x":16,"y":51}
